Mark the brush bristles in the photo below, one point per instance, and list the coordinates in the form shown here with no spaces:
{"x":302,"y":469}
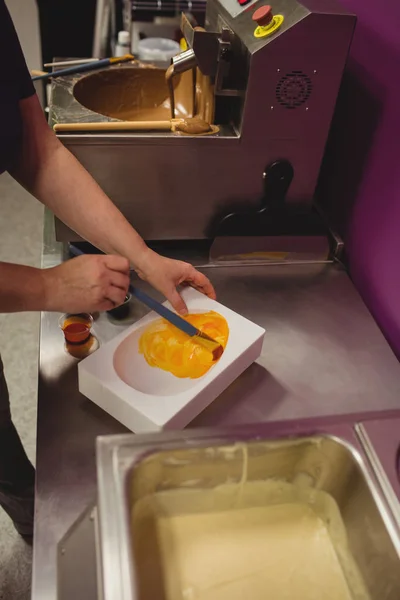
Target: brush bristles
{"x":213,"y":346}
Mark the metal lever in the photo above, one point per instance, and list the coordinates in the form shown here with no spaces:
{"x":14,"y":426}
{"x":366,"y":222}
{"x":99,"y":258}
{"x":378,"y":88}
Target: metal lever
{"x":211,"y":52}
{"x":277,"y":179}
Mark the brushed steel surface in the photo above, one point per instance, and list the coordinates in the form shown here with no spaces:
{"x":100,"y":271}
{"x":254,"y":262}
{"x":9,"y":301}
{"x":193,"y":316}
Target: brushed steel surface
{"x":132,"y":467}
{"x":77,"y":560}
{"x":323,"y":355}
{"x":177,"y":192}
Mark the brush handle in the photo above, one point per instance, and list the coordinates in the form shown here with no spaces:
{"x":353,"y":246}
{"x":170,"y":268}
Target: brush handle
{"x":99,"y":64}
{"x":159,"y":308}
{"x":164,"y":312}
{"x":70,"y":63}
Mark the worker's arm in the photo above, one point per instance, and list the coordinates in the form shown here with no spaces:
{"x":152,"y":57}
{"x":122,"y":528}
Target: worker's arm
{"x":86,"y":283}
{"x":22,"y":288}
{"x":50,"y":172}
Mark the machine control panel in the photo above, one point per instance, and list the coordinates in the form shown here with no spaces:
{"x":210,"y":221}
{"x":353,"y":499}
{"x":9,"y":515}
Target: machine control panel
{"x":256,"y":12}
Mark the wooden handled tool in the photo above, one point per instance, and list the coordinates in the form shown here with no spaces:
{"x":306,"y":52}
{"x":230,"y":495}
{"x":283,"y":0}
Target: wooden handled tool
{"x":191,"y":126}
{"x":117,"y":126}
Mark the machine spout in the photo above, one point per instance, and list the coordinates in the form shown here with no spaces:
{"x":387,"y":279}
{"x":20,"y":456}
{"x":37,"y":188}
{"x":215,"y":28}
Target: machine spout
{"x":184,"y":61}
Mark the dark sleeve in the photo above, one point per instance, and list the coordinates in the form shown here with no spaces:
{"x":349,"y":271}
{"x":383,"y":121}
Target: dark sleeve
{"x":14,"y":71}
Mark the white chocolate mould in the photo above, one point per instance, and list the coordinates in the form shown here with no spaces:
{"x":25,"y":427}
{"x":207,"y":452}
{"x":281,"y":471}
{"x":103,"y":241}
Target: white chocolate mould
{"x":143,"y":398}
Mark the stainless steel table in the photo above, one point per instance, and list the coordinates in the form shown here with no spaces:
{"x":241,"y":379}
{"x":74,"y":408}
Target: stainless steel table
{"x":324,"y":358}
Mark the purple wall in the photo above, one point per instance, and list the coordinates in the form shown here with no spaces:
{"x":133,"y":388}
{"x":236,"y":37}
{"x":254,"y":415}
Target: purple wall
{"x":361,"y":174}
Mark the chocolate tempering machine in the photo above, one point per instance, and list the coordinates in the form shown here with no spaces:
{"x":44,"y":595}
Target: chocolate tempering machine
{"x":239,"y":203}
{"x":268,"y":77}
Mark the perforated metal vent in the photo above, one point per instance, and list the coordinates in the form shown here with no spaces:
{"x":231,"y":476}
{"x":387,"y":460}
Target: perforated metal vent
{"x":293,"y":89}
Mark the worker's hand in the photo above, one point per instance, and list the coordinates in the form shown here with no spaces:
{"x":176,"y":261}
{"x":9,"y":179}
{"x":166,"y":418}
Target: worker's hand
{"x":166,"y":274}
{"x":86,"y":284}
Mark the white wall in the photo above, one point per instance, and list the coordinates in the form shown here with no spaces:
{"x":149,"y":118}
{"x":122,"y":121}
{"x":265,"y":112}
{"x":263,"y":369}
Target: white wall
{"x":24,"y":13}
{"x":26,"y":20}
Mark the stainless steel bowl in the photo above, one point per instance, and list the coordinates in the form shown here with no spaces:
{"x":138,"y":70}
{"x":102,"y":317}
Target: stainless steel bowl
{"x":132,"y":467}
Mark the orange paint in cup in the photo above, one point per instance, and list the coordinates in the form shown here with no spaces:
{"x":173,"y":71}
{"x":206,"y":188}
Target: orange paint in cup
{"x":76,"y":328}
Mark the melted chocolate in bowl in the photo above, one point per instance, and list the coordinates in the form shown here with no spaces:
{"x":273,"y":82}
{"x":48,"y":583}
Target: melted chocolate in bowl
{"x":134,"y":94}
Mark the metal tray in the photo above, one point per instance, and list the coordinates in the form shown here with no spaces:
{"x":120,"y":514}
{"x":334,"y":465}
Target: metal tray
{"x":130,"y":467}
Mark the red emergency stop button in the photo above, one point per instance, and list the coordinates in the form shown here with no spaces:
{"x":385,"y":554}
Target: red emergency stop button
{"x":263,"y":16}
{"x":243,"y":2}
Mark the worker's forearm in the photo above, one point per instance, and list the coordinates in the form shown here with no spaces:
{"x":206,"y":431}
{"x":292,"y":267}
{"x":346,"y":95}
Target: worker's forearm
{"x":21,"y":288}
{"x":50,"y":172}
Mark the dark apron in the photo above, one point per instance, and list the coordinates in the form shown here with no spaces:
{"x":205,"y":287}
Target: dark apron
{"x":17,"y":476}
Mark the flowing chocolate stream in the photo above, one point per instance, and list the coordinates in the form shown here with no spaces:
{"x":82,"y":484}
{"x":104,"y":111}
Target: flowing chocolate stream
{"x":169,"y":78}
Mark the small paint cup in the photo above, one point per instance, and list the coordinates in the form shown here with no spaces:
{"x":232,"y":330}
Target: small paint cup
{"x":121,"y":311}
{"x":76,"y":328}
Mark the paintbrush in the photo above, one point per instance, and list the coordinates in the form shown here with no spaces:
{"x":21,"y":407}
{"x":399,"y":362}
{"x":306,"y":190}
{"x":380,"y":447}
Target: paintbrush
{"x":198,"y":336}
{"x":93,"y":66}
